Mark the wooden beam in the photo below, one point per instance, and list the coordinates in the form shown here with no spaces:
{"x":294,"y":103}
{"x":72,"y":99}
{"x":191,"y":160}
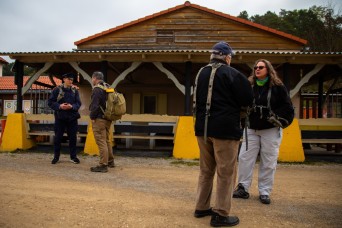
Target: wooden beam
{"x":35,"y":77}
{"x":171,"y":77}
{"x":125,"y":73}
{"x":305,"y":79}
{"x":82,"y":72}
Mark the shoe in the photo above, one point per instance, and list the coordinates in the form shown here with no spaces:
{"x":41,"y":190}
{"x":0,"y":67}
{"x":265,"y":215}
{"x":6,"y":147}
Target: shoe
{"x":99,"y":169}
{"x":54,"y":160}
{"x":111,"y":165}
{"x":265,"y":199}
{"x":75,"y":160}
{"x":203,"y":213}
{"x":240,"y":192}
{"x":218,"y":220}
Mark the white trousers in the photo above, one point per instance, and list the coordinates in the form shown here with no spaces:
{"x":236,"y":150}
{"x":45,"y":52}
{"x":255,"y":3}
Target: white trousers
{"x":267,"y":142}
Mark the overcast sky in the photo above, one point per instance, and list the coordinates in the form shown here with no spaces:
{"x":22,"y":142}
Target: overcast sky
{"x":54,"y":25}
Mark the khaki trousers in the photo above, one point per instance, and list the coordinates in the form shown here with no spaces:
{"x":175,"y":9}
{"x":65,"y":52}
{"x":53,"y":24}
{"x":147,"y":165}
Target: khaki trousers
{"x":218,"y":155}
{"x":101,"y":130}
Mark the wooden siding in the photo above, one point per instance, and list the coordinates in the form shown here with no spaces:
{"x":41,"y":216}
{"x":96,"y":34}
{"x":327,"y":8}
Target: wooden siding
{"x":192,"y":29}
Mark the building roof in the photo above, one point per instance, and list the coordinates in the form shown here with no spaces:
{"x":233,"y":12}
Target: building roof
{"x":188,"y":4}
{"x":7,"y":82}
{"x":3,"y":61}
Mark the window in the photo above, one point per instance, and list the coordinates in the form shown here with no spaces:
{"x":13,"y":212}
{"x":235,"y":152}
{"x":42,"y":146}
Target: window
{"x":165,"y":36}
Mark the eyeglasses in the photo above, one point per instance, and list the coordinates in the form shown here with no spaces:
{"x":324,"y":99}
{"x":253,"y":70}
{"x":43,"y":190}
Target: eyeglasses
{"x":260,"y":67}
{"x":71,"y":79}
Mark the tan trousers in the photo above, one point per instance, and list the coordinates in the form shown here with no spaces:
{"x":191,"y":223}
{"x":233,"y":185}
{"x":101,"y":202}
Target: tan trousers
{"x":218,"y":155}
{"x":101,"y":129}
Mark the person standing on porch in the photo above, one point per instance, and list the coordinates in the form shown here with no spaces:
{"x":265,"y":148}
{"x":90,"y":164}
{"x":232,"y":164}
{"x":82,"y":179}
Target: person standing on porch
{"x":100,"y":125}
{"x":218,"y":131}
{"x":65,"y":101}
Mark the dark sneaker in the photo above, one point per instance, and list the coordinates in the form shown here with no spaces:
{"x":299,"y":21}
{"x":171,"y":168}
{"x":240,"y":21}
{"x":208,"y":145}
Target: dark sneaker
{"x":265,"y":199}
{"x":240,"y":192}
{"x":75,"y":160}
{"x":218,"y":220}
{"x":203,"y":213}
{"x":99,"y":168}
{"x":111,"y":165}
{"x":54,"y":160}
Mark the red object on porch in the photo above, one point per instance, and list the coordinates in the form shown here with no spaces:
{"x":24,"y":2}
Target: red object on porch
{"x":3,"y":124}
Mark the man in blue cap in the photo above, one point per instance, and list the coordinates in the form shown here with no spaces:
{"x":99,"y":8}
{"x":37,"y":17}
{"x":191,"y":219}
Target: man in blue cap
{"x":220,"y":92}
{"x":65,"y":101}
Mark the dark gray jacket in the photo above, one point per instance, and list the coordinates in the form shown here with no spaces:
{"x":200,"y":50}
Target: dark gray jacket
{"x":231,"y":91}
{"x":280,"y":102}
{"x":98,"y":98}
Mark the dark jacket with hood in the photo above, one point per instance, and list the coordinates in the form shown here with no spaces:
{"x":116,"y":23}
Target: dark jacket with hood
{"x":98,"y":99}
{"x":281,"y":105}
{"x":68,"y":95}
{"x":231,"y":91}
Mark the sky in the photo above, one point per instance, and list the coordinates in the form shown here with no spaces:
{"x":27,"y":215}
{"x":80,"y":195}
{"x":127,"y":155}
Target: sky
{"x":54,"y":25}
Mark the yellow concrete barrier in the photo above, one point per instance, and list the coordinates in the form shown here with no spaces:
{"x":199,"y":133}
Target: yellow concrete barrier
{"x":185,"y":144}
{"x":186,"y":147}
{"x":15,"y":134}
{"x":291,"y":149}
{"x":90,"y":146}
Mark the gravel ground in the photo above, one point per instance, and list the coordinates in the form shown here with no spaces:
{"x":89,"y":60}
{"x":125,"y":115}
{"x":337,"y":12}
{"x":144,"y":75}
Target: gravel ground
{"x":154,"y":192}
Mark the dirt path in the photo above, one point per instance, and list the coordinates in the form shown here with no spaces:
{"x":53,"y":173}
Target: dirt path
{"x":153,"y":192}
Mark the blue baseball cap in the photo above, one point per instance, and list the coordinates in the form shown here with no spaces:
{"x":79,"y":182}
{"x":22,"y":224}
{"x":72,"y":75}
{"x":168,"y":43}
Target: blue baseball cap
{"x":222,"y":48}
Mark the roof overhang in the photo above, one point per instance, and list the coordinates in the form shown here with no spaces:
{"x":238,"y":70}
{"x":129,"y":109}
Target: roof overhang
{"x":171,"y":55}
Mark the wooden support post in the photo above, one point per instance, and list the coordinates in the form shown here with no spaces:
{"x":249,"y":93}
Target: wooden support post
{"x":19,"y":78}
{"x":320,"y":96}
{"x":188,"y":66}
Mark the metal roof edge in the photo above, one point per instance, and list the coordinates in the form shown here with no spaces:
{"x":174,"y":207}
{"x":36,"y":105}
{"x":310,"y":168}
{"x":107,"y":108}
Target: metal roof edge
{"x":169,"y":51}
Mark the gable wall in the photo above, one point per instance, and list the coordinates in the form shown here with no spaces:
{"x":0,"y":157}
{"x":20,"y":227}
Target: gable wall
{"x":192,"y":29}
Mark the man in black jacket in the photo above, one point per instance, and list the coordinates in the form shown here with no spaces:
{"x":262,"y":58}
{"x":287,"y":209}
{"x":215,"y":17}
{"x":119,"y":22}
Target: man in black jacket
{"x":218,"y":130}
{"x":65,"y":101}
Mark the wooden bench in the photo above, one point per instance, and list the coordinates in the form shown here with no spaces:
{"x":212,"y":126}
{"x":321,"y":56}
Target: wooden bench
{"x":142,"y":130}
{"x":41,"y":127}
{"x":145,"y":127}
{"x":130,"y":127}
{"x":322,"y":131}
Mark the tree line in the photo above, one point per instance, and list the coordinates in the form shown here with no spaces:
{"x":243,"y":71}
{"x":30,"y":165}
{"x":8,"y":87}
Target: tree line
{"x":319,"y":25}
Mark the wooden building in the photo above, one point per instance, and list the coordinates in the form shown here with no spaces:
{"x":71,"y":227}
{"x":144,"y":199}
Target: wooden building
{"x":154,"y":60}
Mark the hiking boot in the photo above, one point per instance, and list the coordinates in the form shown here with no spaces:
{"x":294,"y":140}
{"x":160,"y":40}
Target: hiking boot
{"x":99,"y":169}
{"x":111,"y":165}
{"x":265,"y":199}
{"x":219,"y":220}
{"x":54,"y":160}
{"x":75,"y":160}
{"x":240,"y":192}
{"x":203,"y":213}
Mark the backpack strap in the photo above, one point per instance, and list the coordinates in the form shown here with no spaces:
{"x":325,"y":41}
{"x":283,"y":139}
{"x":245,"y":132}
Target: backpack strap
{"x":105,"y":87}
{"x":214,"y":67}
{"x":60,"y":93}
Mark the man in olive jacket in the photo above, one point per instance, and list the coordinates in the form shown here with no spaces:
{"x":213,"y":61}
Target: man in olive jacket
{"x":219,"y":139}
{"x":101,"y":126}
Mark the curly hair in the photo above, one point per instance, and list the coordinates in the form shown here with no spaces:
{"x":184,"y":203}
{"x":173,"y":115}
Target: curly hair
{"x":274,"y":79}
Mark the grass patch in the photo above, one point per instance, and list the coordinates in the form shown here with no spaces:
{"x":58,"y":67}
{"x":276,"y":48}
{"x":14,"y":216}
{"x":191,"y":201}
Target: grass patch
{"x":313,"y":163}
{"x":184,"y":162}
